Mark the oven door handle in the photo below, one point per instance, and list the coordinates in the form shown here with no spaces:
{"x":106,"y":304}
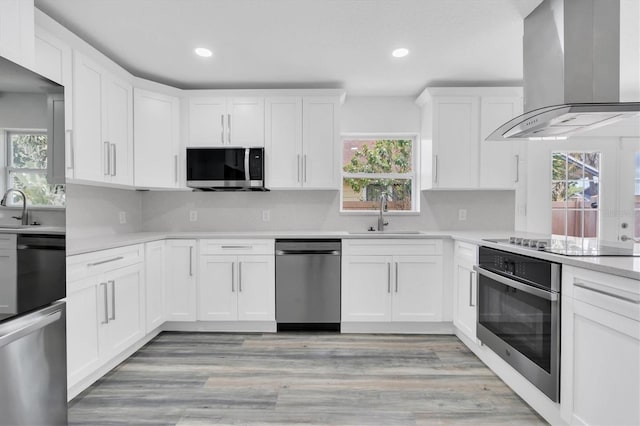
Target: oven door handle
{"x":547,"y":295}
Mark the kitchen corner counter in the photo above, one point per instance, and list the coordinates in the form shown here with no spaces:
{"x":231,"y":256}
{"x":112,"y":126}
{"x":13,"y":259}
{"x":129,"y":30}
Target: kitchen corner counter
{"x":623,"y":266}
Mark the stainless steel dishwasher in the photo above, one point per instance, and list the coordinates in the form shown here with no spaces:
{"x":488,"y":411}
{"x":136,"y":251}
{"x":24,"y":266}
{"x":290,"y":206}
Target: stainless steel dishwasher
{"x":308,"y":284}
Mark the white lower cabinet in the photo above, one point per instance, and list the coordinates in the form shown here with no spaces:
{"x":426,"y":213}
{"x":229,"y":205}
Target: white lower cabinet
{"x":155,"y":283}
{"x":465,"y":290}
{"x":105,"y":308}
{"x":404,"y":286}
{"x":181,"y":280}
{"x":600,"y":382}
{"x":236,"y":287}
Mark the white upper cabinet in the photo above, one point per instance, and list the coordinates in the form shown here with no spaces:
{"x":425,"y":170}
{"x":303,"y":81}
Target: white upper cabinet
{"x":455,"y":122}
{"x":301,"y":142}
{"x":17,"y":31}
{"x":103,"y":124}
{"x":157,"y":139}
{"x":226,"y":121}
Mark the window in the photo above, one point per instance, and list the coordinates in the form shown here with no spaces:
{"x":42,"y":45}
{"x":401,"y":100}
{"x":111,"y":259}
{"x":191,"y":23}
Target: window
{"x":26,"y":170}
{"x":575,"y":196}
{"x":372,"y":166}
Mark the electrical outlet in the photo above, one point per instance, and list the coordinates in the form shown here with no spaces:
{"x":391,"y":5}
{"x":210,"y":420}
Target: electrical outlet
{"x":122,"y":217}
{"x":193,"y":215}
{"x":266,"y":215}
{"x":462,"y":214}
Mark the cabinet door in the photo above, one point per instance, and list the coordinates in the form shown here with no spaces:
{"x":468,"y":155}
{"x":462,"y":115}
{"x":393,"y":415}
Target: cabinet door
{"x":83,"y":320}
{"x":256,"y":288}
{"x":218,"y":288}
{"x":283,"y":142}
{"x":89,"y":154}
{"x":154,"y":283}
{"x":181,"y":281}
{"x":498,"y":159}
{"x":125,"y":309}
{"x":245,"y":121}
{"x":16,"y":31}
{"x":118,"y":129}
{"x":455,"y":135}
{"x":601,"y":371}
{"x":417,"y":288}
{"x":366,"y":288}
{"x":156,"y":139}
{"x":465,"y":293}
{"x":320,"y":163}
{"x":207,"y":118}
{"x":9,"y":279}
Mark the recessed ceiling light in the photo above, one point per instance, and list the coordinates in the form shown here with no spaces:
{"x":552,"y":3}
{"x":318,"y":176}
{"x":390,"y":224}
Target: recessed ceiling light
{"x":203,"y":51}
{"x":400,"y":53}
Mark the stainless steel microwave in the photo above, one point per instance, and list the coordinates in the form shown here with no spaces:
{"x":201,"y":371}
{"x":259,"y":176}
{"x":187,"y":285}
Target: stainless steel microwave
{"x":225,"y":168}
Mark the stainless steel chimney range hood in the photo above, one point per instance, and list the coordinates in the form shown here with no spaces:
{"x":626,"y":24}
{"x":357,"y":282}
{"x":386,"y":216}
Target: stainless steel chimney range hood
{"x":575,"y":72}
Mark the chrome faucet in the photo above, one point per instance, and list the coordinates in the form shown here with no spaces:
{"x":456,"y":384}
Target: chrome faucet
{"x":25,"y":214}
{"x":383,"y":208}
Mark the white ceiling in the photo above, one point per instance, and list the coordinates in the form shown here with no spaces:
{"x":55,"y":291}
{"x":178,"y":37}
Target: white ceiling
{"x":306,"y":43}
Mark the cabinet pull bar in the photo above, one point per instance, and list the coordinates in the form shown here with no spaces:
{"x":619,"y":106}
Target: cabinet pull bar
{"x":107,"y":159}
{"x":71,"y":163}
{"x":175,"y":168}
{"x":106,"y":305}
{"x":235,"y":247}
{"x":240,"y":277}
{"x":113,"y":299}
{"x":222,"y":129}
{"x":471,"y":289}
{"x":435,"y":169}
{"x":396,"y":277}
{"x":517,"y":169}
{"x":233,"y":276}
{"x":627,"y":296}
{"x":304,"y":168}
{"x":388,"y":277}
{"x":105,"y":261}
{"x":190,"y":261}
{"x":115,"y":158}
{"x":229,"y":130}
{"x":298,"y":168}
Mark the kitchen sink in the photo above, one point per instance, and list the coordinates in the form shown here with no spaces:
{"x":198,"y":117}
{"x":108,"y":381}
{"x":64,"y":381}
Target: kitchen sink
{"x":384,"y":232}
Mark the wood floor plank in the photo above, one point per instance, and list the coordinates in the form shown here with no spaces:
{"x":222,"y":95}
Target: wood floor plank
{"x":301,"y":378}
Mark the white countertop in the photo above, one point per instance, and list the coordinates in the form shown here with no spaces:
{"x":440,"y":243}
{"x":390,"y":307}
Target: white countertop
{"x":624,"y":266}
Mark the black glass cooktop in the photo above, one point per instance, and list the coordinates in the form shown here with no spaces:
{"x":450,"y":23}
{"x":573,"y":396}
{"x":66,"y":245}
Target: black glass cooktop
{"x":567,"y":248}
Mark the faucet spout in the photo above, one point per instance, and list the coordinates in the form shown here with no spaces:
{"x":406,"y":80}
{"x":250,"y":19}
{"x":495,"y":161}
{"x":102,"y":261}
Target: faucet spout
{"x":24,"y":219}
{"x":383,"y":208}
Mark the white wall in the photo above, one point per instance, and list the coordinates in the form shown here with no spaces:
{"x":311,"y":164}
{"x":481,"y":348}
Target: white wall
{"x":380,"y":114}
{"x":23,"y":111}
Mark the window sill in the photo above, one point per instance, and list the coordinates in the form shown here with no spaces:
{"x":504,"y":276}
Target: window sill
{"x":377,"y":213}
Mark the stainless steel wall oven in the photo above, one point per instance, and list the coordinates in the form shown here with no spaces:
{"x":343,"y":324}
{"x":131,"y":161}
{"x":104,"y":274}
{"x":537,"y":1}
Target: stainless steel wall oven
{"x":519,"y":314}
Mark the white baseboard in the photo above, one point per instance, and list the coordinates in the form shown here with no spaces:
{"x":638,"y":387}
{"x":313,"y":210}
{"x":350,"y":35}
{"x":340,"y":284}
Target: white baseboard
{"x":83,"y":384}
{"x":222,"y":326}
{"x":398,"y":327}
{"x":532,"y":395}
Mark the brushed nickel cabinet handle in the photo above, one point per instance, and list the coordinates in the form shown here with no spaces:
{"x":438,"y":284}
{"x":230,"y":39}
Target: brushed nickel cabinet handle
{"x":190,"y":261}
{"x":71,"y":152}
{"x":114,"y":161}
{"x":105,"y":261}
{"x":396,"y":277}
{"x":175,"y":168}
{"x":471,"y":289}
{"x":298,"y":168}
{"x":106,"y":304}
{"x":113,"y":299}
{"x":222,"y":129}
{"x":517,"y":168}
{"x":229,"y":128}
{"x":240,"y":277}
{"x":233,"y":276}
{"x":435,"y":169}
{"x":107,"y":158}
{"x":388,"y":277}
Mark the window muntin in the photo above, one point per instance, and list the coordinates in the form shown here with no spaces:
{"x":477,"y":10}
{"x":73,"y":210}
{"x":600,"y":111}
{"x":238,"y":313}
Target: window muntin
{"x":26,"y":170}
{"x":374,"y":165}
{"x":575,"y":193}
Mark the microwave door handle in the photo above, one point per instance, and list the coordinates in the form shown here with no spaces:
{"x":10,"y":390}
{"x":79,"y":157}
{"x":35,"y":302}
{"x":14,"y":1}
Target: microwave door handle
{"x":247,"y":175}
{"x":547,"y":295}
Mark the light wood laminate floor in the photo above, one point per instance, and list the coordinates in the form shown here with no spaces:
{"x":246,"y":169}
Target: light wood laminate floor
{"x":301,"y":378}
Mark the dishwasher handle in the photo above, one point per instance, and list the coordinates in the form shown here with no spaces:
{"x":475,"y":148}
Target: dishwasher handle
{"x":289,"y":252}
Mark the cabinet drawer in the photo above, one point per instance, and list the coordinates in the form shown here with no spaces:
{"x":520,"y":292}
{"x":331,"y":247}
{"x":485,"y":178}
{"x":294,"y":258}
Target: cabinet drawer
{"x":237,"y":246}
{"x":392,"y":247}
{"x":90,"y":264}
{"x":612,"y":293}
{"x":8,"y":241}
{"x":466,"y":252}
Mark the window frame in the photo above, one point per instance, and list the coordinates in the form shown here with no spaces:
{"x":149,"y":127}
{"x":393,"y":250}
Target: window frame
{"x":413,"y":176}
{"x":6,"y":169}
